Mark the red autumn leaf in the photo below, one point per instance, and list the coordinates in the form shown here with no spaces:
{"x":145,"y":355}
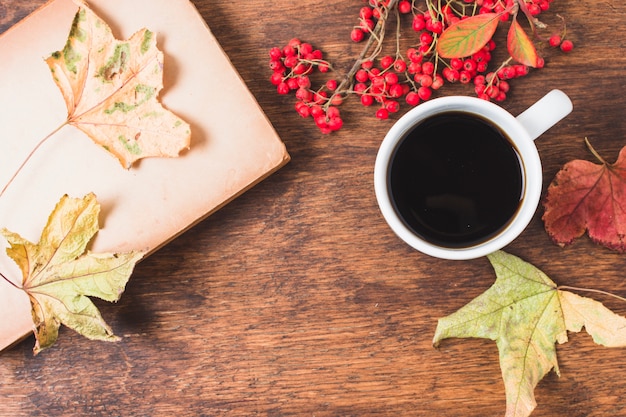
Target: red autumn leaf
{"x":587,"y":196}
{"x":467,"y":36}
{"x":520,"y":46}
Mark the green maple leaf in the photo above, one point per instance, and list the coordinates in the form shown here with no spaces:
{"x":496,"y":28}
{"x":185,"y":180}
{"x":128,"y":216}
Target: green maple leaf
{"x":525,"y":313}
{"x":59,"y":277}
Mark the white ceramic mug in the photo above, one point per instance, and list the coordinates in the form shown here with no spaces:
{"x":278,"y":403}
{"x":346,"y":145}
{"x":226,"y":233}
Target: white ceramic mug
{"x":521,"y":131}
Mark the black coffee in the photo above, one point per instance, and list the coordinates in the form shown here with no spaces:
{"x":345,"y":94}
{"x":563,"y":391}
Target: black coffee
{"x":456,"y":179}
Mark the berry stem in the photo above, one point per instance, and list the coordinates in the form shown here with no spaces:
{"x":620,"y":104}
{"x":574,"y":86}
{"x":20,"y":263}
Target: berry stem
{"x":376,"y":38}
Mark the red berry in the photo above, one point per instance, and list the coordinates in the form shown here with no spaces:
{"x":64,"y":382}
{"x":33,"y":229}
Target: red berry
{"x":321,"y":122}
{"x":283,"y":88}
{"x":426,"y":80}
{"x":404,"y":7}
{"x":424,"y":93}
{"x":382,"y":114}
{"x":479,"y":80}
{"x":465,"y":77}
{"x":304,"y":81}
{"x":289,"y":51}
{"x":290,"y":61}
{"x":399,"y":65}
{"x":276,"y":53}
{"x":469,"y":65}
{"x":415,"y":68}
{"x":412,"y":98}
{"x":555,"y":40}
{"x":456,"y":63}
{"x":357,"y":35}
{"x":292,"y":83}
{"x":452,"y":75}
{"x":418,"y":23}
{"x":302,"y":109}
{"x":360,"y":87}
{"x":276,"y":65}
{"x":367,"y":64}
{"x":361,"y":76}
{"x":300,"y":68}
{"x":332,"y":112}
{"x":534,"y":9}
{"x":317,"y":111}
{"x":367,"y":100}
{"x":304,"y":94}
{"x":331,"y":85}
{"x":387,"y":61}
{"x":437,"y":82}
{"x":540,"y":62}
{"x":426,"y":38}
{"x":396,"y":91}
{"x":436,"y":27}
{"x":567,"y":45}
{"x":391,"y":78}
{"x":305,"y":48}
{"x":276,"y":78}
{"x":335,"y":123}
{"x":392,"y":106}
{"x":428,"y":68}
{"x":414,"y":55}
{"x":365,"y":12}
{"x":520,"y":70}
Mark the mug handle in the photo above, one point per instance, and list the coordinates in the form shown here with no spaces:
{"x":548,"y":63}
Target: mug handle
{"x":545,"y":113}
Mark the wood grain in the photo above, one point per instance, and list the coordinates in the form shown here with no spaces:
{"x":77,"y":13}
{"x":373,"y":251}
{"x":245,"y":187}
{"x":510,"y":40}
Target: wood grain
{"x":297,"y":299}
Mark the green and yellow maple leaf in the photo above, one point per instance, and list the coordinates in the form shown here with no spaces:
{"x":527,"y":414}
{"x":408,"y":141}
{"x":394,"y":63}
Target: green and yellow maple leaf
{"x":526,"y":314}
{"x":111,"y":90}
{"x":59,"y":277}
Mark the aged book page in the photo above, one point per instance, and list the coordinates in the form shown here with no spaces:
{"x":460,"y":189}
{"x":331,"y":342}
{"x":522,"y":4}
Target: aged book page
{"x":233,"y":145}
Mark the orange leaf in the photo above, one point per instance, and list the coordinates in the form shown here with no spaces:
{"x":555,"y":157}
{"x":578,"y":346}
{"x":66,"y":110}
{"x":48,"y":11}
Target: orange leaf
{"x":467,"y":36}
{"x":111,"y":91}
{"x":520,"y":46}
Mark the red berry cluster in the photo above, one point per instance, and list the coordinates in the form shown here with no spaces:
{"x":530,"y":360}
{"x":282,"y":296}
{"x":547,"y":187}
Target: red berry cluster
{"x":411,"y":77}
{"x":291,"y":66}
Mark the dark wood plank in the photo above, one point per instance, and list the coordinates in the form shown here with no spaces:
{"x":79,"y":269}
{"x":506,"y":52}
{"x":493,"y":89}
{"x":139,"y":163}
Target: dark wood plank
{"x":297,"y":299}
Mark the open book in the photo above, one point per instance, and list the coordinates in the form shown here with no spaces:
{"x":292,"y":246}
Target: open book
{"x":233,"y":145}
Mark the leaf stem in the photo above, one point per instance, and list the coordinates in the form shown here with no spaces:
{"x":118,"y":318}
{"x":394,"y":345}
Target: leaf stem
{"x":32,"y":152}
{"x":594,"y":152}
{"x":566,"y":287}
{"x":9,"y":281}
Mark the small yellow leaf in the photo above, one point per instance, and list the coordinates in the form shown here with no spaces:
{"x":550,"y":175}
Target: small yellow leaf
{"x":59,"y":276}
{"x":111,"y":90}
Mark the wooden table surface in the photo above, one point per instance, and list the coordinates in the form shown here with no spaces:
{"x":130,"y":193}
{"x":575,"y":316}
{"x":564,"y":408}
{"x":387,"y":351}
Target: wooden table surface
{"x":297,"y":299}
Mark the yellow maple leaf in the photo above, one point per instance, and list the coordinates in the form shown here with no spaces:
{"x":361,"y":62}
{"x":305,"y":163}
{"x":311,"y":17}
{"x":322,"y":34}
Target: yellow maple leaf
{"x":111,"y":90}
{"x":526,"y":314}
{"x":59,"y":277}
